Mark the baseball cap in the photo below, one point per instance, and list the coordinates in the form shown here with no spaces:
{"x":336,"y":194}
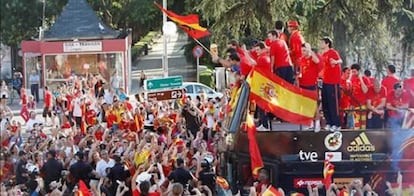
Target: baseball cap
{"x":293,"y":23}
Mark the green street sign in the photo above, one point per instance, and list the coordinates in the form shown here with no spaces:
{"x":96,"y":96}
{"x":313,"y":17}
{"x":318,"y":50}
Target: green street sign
{"x":161,"y":83}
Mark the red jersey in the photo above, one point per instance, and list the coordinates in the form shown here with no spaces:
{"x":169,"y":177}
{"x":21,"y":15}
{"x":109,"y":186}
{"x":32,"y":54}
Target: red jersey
{"x":345,"y":101}
{"x":263,"y":62}
{"x":357,"y":92}
{"x":111,"y":119}
{"x":376,"y":97}
{"x":48,"y":99}
{"x":397,"y":101}
{"x":295,"y":46}
{"x":280,"y":52}
{"x":91,"y":117}
{"x":409,"y":87}
{"x":129,"y":106}
{"x":24,"y":98}
{"x":253,"y":54}
{"x":388,"y":82}
{"x":283,"y":36}
{"x":69,"y":105}
{"x":309,"y":70}
{"x":331,"y":73}
{"x":245,"y":67}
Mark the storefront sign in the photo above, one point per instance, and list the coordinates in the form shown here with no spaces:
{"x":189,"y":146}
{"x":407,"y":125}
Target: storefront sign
{"x":303,"y":182}
{"x":170,"y":82}
{"x":82,"y":46}
{"x":165,"y":95}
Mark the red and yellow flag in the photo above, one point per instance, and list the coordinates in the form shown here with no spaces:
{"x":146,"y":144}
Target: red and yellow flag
{"x":284,"y":100}
{"x":189,"y":23}
{"x":83,"y":189}
{"x":328,"y":171}
{"x":271,"y":191}
{"x":255,"y":157}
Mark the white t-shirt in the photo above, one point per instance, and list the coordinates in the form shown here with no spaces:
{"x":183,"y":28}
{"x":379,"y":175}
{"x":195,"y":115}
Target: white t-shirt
{"x":102,"y":165}
{"x":77,"y":110}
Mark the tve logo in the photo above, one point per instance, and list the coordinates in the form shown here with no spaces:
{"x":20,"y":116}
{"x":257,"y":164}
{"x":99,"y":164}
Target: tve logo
{"x":308,"y":156}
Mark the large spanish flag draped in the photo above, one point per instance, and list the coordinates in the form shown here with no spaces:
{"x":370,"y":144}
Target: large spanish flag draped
{"x":281,"y":98}
{"x":255,"y":157}
{"x":189,"y":23}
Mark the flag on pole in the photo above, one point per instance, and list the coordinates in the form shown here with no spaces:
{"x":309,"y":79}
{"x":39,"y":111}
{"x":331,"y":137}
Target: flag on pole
{"x":255,"y":157}
{"x":284,"y":100}
{"x":190,"y":23}
{"x":328,"y":171}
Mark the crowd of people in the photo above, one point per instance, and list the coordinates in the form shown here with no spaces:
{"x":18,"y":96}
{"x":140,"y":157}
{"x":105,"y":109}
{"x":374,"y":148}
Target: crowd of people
{"x":95,"y":139}
{"x":350,"y":98}
{"x":91,"y":132}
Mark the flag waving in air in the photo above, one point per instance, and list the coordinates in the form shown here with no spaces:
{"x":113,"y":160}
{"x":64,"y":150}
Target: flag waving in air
{"x":284,"y":100}
{"x":271,"y":191}
{"x":328,"y":171}
{"x":255,"y":157}
{"x":190,"y":23}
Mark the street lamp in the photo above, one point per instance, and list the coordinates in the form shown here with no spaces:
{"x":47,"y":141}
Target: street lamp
{"x":42,"y":28}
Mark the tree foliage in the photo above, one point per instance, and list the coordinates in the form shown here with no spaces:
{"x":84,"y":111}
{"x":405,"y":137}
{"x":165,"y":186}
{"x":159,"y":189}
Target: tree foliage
{"x":360,"y":29}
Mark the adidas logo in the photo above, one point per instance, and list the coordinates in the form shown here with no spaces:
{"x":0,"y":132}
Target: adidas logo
{"x":361,"y":144}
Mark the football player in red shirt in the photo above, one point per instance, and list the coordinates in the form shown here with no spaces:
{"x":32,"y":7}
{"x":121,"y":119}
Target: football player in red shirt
{"x":263,"y":59}
{"x":331,"y":80}
{"x":389,"y":80}
{"x":263,"y":63}
{"x":376,"y":97}
{"x":279,"y":57}
{"x":360,"y":86}
{"x":243,"y":63}
{"x":310,"y":65}
{"x":397,"y":104}
{"x":295,"y":42}
{"x":345,"y":101}
{"x":409,"y":87}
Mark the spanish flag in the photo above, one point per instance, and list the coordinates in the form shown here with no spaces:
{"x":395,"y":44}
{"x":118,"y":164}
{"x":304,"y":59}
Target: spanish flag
{"x":283,"y":99}
{"x":189,"y":23}
{"x":83,"y":189}
{"x":271,"y":191}
{"x":255,"y":157}
{"x":328,"y":171}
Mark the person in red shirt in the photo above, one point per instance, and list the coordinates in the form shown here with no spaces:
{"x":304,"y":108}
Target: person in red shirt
{"x":397,"y":104}
{"x":263,"y":58}
{"x":90,"y":115}
{"x":360,"y":86}
{"x":281,"y":31}
{"x":345,"y":101}
{"x":376,"y":97}
{"x":47,"y":109}
{"x":295,"y":42}
{"x":279,"y":57}
{"x":310,"y":65}
{"x":389,"y":80}
{"x":330,"y":88}
{"x":367,"y":73}
{"x":243,"y":64}
{"x":409,"y":87}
